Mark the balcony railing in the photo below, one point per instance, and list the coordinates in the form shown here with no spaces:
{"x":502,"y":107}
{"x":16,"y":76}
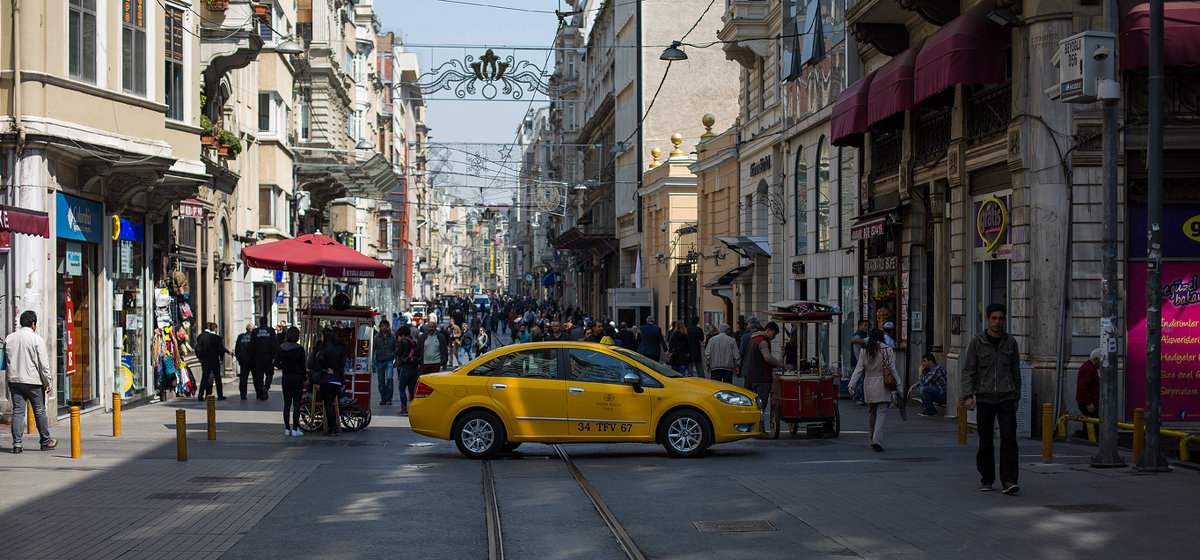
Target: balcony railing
{"x":885,"y":154}
{"x":988,"y":112}
{"x":931,"y":137}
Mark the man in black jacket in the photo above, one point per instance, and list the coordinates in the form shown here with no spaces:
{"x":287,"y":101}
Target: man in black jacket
{"x":652,"y":343}
{"x":695,"y":356}
{"x":625,"y":337}
{"x":243,"y":350}
{"x":210,"y":348}
{"x":264,"y":345}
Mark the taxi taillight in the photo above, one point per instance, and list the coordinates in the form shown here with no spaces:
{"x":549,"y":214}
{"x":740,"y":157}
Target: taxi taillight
{"x":423,"y":391}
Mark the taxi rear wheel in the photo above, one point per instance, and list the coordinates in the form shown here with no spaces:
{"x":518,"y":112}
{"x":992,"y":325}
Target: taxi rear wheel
{"x":479,"y":434}
{"x":685,"y":434}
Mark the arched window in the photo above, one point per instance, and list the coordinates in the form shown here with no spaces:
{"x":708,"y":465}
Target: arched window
{"x":823,"y":229}
{"x":801,"y":199}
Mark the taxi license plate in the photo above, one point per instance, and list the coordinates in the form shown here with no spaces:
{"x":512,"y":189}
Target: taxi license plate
{"x":603,"y":427}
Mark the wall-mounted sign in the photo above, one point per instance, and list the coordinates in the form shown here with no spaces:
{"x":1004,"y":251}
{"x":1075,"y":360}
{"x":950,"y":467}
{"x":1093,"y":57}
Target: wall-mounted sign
{"x":74,"y":259}
{"x":1180,"y":231}
{"x":798,"y":267}
{"x":763,"y":164}
{"x":1180,"y":300}
{"x":191,"y":209}
{"x":79,"y":219}
{"x":881,"y":264}
{"x":991,"y":223}
{"x":868,"y":229}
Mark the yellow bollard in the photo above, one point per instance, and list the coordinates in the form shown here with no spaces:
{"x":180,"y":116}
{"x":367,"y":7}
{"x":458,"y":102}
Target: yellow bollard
{"x":76,"y":451}
{"x":211,"y":403}
{"x":1047,"y":432}
{"x":116,"y":414}
{"x":181,"y":435}
{"x":962,"y":422}
{"x":30,"y":421}
{"x":1139,"y":432}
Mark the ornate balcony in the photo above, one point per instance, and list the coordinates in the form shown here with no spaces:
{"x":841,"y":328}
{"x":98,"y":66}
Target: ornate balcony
{"x":745,"y":20}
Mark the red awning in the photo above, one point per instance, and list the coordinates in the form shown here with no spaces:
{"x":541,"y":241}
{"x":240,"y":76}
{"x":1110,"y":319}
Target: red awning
{"x":892,"y":88}
{"x":316,"y":255}
{"x":968,"y":50}
{"x":20,"y":220}
{"x":1181,"y":34}
{"x":849,"y":120}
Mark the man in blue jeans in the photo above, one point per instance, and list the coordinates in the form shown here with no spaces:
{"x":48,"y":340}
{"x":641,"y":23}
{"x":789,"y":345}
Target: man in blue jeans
{"x":385,"y":353}
{"x":932,"y":385}
{"x":28,"y":380}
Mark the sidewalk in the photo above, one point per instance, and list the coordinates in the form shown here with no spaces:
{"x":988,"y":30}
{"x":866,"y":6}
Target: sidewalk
{"x":129,"y":497}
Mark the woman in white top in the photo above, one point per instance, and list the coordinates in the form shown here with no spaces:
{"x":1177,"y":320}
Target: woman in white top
{"x":878,"y":398}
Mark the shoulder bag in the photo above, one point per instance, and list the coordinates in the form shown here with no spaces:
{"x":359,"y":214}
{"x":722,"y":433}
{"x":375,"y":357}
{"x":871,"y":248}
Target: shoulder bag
{"x":889,"y":378}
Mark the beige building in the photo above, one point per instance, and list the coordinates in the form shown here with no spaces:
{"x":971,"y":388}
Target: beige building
{"x":721,"y":273}
{"x":669,"y":199}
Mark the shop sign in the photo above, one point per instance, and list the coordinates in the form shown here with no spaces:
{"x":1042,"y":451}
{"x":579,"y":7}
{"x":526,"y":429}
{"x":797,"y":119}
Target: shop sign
{"x":866,"y":301}
{"x":68,"y":331}
{"x":903,"y":334}
{"x":74,"y":259}
{"x":125,"y":250}
{"x":194,"y":210}
{"x":79,"y":219}
{"x":868,"y":230}
{"x":991,"y":223}
{"x":127,"y":230}
{"x":1180,"y":231}
{"x":763,"y":164}
{"x":1180,"y":300}
{"x":881,"y":264}
{"x":798,"y":267}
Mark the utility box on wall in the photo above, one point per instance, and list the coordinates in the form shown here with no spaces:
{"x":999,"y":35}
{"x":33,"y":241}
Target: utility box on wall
{"x":1087,"y":67}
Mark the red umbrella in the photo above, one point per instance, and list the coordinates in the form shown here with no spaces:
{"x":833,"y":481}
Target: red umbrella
{"x":317,"y":255}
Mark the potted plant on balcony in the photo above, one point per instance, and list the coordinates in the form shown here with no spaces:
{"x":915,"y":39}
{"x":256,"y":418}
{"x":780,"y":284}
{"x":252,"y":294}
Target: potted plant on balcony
{"x":206,"y":132}
{"x":262,"y":12}
{"x":230,"y":145}
{"x":217,"y":5}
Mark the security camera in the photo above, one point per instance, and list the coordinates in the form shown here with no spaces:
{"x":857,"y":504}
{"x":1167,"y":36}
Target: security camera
{"x":1100,"y":53}
{"x":658,"y":256}
{"x":716,"y":250}
{"x":663,"y":226}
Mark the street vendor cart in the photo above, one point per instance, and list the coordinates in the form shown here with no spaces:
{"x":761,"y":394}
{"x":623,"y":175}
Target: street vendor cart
{"x":809,"y":395}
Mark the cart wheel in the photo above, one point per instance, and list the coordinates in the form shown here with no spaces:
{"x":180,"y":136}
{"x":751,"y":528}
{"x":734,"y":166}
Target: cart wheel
{"x":795,"y":428}
{"x":309,"y":421}
{"x":354,"y":418}
{"x":771,"y":424}
{"x":833,"y":427}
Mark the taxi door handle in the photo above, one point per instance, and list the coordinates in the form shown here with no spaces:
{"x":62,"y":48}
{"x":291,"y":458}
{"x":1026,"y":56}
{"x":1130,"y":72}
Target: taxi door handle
{"x":499,"y":386}
{"x":574,"y":390}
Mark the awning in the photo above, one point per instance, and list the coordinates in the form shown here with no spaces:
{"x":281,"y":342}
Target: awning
{"x":892,"y":88}
{"x":728,"y":277}
{"x":849,"y":120}
{"x":599,"y":244}
{"x":1181,"y":34}
{"x":871,"y":225}
{"x":968,"y":50}
{"x":747,"y":246}
{"x":28,"y":222}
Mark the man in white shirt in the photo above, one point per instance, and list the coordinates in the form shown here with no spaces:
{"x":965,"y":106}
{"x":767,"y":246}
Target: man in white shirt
{"x":28,"y":380}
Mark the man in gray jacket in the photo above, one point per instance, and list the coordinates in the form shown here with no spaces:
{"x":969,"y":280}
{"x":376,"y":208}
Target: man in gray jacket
{"x":991,"y":379}
{"x":721,"y":355}
{"x":28,"y":380}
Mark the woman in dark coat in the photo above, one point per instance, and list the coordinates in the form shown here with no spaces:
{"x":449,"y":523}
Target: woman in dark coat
{"x":677,"y":347}
{"x":330,"y":364}
{"x":290,"y":359}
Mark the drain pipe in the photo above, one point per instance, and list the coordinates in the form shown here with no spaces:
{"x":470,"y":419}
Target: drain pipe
{"x":16,"y":42}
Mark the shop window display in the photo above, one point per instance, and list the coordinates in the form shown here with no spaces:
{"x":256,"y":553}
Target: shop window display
{"x":77,"y":383}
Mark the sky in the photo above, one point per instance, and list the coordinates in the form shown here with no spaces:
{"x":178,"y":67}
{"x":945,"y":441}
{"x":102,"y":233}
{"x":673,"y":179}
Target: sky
{"x":472,"y":27}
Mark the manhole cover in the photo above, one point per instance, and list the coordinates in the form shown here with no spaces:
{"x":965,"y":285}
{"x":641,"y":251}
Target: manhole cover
{"x":734,"y":526}
{"x":911,"y":459}
{"x":1088,"y":508}
{"x":183,"y":496}
{"x":223,"y":479}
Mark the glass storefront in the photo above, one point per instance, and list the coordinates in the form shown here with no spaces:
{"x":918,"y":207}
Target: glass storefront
{"x":79,"y":232}
{"x":129,"y":305}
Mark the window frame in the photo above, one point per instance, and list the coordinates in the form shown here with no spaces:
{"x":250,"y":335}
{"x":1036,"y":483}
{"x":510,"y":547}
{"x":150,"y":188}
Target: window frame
{"x":175,"y":67}
{"x":823,"y":196}
{"x":800,"y":182}
{"x":77,"y":46}
{"x":134,"y":54}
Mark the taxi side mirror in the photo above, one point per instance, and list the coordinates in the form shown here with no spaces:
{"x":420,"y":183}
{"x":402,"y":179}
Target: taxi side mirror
{"x":635,"y":380}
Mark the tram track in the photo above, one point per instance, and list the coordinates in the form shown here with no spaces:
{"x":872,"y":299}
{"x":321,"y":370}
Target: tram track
{"x":493,"y":514}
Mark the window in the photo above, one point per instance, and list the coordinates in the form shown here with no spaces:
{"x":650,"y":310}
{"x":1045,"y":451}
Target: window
{"x":264,"y":28}
{"x":539,"y":364}
{"x":81,"y":40}
{"x":269,"y":214}
{"x":823,"y":228}
{"x":591,"y":366}
{"x":383,"y":234}
{"x":801,"y":203}
{"x":847,"y":185}
{"x":173,"y":57}
{"x":487,"y":369}
{"x":305,"y":123}
{"x":133,"y":46}
{"x":264,"y":112}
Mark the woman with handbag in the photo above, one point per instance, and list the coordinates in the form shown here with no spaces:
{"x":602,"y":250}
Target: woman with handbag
{"x":677,"y":348}
{"x":875,"y":364}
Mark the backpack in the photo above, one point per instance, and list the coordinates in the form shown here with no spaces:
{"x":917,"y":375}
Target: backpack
{"x":407,"y":357}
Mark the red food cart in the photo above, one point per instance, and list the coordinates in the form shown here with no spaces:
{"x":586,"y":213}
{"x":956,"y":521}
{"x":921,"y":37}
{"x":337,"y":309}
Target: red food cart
{"x":808,"y":395}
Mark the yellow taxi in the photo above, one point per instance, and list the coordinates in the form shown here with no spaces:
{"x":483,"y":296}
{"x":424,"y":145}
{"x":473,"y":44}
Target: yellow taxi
{"x":578,"y":392}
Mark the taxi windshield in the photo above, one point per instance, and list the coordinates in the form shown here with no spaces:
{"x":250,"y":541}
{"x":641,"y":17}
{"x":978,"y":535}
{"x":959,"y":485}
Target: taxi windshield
{"x":658,"y":367}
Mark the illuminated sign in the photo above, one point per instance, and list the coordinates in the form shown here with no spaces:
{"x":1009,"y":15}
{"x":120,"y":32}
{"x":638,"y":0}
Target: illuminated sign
{"x":991,"y":223}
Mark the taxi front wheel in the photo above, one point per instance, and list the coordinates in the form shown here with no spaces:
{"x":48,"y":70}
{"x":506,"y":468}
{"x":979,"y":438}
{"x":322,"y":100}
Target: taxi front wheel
{"x":685,"y":434}
{"x":479,"y":434}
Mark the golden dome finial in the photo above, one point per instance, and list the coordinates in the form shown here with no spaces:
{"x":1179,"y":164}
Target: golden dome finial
{"x":677,"y":139}
{"x":708,"y":121}
{"x":655,"y":152}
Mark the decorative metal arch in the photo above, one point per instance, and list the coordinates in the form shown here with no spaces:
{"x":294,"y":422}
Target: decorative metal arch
{"x":489,"y":76}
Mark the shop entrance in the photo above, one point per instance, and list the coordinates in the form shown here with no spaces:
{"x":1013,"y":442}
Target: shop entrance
{"x":991,"y":286}
{"x":78,"y":384}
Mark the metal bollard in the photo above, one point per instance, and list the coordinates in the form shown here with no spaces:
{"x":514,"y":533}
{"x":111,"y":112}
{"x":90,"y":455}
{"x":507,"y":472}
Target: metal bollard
{"x":962,"y":422}
{"x":211,"y":404}
{"x":76,"y":451}
{"x":1047,"y":432}
{"x":181,"y":435}
{"x":116,"y":414}
{"x":1139,"y":432}
{"x":30,"y":421}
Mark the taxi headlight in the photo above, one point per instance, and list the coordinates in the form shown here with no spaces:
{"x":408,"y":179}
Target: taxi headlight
{"x":734,"y":398}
